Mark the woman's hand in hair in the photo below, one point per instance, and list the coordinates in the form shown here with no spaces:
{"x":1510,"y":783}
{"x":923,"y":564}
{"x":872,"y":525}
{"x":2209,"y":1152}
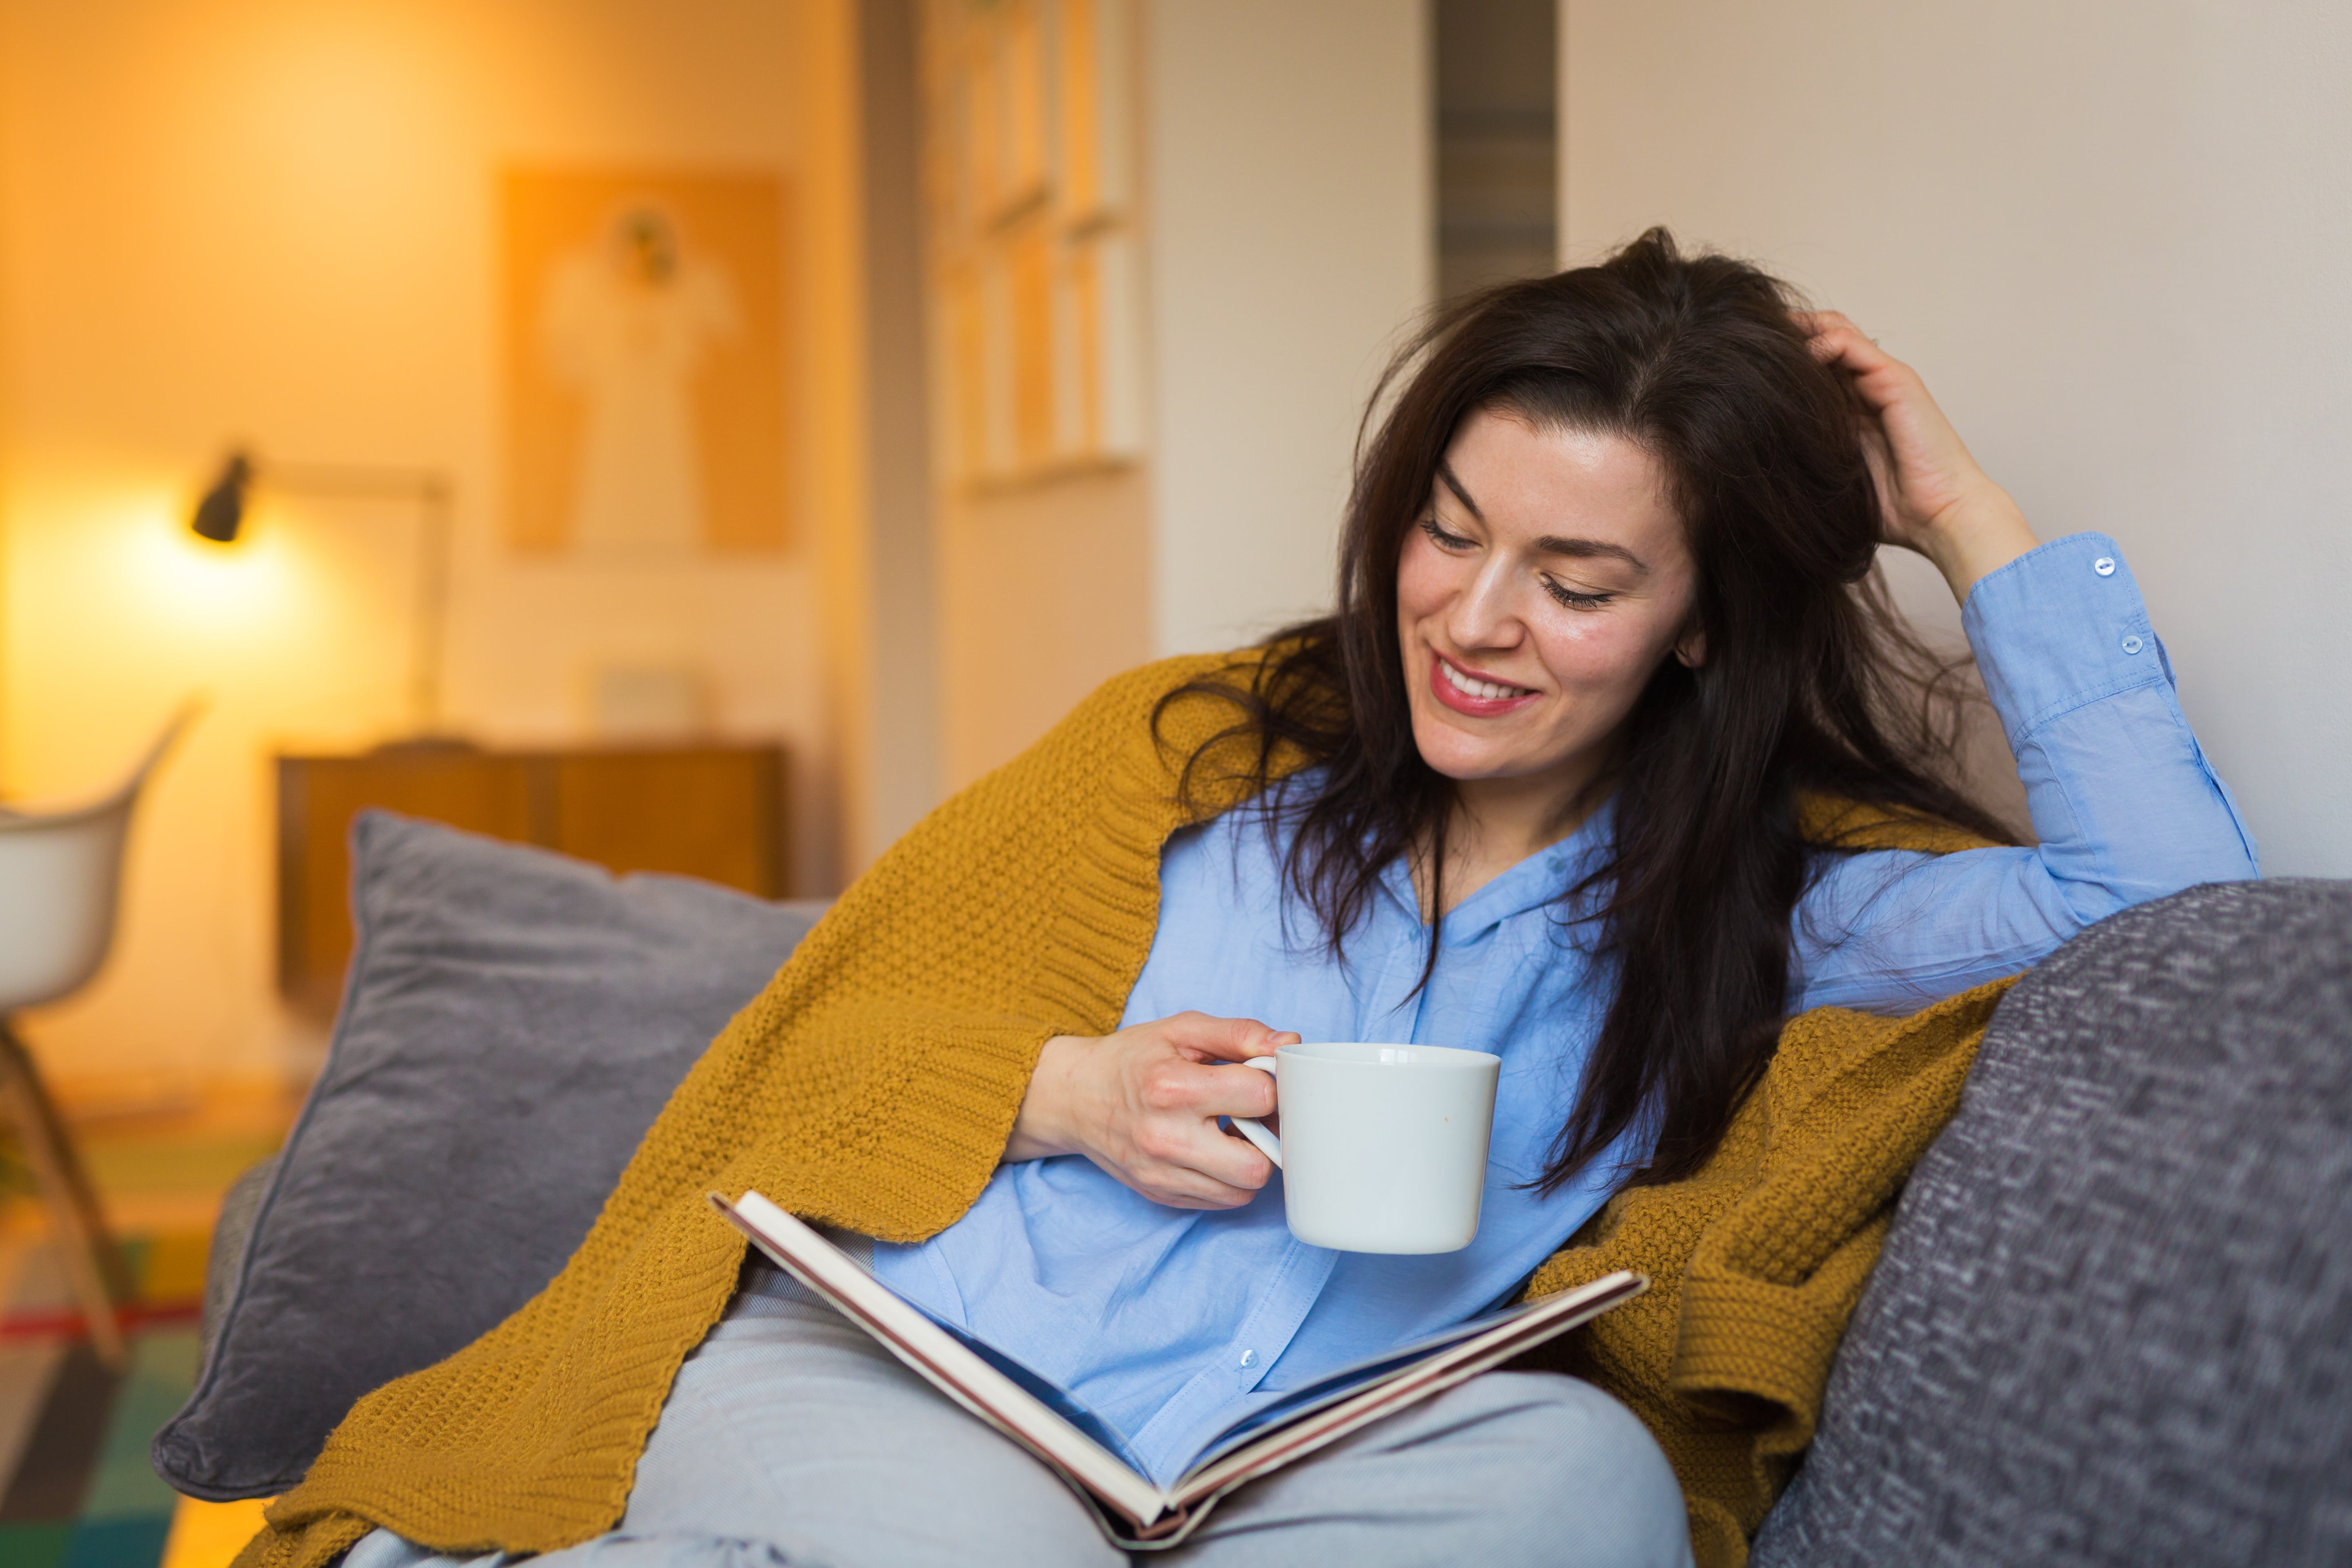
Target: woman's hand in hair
{"x":1143,"y":1104}
{"x":1932,"y":496}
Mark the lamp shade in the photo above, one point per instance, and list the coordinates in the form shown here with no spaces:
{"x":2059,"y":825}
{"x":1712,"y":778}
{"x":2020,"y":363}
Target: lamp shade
{"x":221,"y":512}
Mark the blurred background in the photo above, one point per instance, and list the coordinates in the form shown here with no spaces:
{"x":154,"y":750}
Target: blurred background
{"x":768,"y":416}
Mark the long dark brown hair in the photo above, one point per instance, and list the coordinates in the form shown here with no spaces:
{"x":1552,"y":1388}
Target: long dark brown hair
{"x":1811,"y":682}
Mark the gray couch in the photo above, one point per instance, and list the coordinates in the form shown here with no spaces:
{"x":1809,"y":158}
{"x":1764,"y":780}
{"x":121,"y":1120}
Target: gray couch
{"x":2112,"y":1324}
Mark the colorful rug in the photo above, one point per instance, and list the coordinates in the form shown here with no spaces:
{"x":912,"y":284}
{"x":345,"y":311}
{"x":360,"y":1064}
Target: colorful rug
{"x":78,"y":1492}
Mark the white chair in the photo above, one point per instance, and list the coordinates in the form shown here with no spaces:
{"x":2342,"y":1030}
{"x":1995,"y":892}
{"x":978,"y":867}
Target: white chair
{"x":60,"y":873}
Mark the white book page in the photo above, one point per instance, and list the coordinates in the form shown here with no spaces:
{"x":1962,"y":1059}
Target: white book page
{"x":1161,"y":1519}
{"x":1347,"y":1380}
{"x":1328,"y":1420}
{"x":934,"y":1353}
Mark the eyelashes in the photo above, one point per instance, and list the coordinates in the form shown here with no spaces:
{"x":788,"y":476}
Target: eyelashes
{"x":1568,"y":598}
{"x":1572,"y":599}
{"x":1439,"y":537}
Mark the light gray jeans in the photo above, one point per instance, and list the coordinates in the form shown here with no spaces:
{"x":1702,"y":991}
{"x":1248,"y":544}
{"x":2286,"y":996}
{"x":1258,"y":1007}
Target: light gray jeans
{"x":792,"y":1441}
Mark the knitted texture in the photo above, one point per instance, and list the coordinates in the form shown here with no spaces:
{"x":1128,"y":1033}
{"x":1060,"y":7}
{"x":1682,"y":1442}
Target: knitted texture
{"x":873,"y":1084}
{"x":1757,"y":1262}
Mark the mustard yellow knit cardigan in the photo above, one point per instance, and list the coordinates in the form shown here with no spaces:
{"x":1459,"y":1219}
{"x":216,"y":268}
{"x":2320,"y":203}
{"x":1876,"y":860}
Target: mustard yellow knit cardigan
{"x":873,"y":1084}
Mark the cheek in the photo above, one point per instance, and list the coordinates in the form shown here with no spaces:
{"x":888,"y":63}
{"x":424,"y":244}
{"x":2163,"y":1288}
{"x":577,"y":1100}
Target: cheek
{"x":1425,"y":579}
{"x":1599,"y":654}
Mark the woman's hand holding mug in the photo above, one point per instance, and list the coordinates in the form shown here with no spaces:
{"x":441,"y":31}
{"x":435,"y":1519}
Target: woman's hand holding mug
{"x":1385,"y":1146}
{"x":1144,"y":1105}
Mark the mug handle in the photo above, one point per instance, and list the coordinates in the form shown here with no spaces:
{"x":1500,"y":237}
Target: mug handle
{"x":1251,"y":1127}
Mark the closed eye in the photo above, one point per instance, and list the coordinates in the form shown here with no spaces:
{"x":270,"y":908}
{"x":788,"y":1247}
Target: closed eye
{"x":1439,"y":536}
{"x":1574,"y":600}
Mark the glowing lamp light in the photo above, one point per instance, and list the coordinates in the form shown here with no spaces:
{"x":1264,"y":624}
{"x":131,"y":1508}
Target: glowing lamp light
{"x":220,"y":516}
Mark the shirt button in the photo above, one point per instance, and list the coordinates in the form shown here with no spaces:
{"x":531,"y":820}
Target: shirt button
{"x":2105,"y":565}
{"x":1249,"y":1358}
{"x":2133,"y":644}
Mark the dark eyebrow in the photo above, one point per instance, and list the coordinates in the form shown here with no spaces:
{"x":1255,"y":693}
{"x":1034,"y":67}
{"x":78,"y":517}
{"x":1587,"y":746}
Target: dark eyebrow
{"x":1588,"y":549}
{"x":1550,"y":543}
{"x":1446,"y":472}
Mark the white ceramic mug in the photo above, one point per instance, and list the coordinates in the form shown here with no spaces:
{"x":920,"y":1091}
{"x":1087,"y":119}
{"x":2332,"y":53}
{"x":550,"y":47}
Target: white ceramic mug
{"x":1383,"y":1148}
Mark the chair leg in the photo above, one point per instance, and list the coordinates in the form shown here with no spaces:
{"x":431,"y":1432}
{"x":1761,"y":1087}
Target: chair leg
{"x":93,"y":1263}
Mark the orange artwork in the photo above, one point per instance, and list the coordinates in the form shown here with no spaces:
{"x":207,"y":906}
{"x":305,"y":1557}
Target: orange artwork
{"x":644,"y":348}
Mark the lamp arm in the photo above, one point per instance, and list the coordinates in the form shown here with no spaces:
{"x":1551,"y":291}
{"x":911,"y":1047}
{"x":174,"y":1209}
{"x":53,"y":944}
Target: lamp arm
{"x":432,"y":610}
{"x":349,"y":480}
{"x":431,"y":491}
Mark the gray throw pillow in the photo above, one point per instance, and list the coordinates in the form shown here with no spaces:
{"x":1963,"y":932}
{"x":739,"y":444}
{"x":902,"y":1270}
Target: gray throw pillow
{"x":2112,"y":1321}
{"x":511,"y":1024}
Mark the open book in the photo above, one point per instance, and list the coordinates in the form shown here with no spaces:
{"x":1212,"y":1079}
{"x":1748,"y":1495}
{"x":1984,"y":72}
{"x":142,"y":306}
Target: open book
{"x":1136,"y":1513}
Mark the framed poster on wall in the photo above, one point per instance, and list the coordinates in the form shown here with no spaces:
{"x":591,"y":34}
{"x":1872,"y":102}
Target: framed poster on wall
{"x":645,"y":362}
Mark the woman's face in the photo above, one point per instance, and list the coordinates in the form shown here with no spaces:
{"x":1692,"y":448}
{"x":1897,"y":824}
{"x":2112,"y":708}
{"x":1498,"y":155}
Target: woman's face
{"x":1548,"y":577}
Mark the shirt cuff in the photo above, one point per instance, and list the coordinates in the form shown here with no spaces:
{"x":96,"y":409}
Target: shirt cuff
{"x":2059,"y":627}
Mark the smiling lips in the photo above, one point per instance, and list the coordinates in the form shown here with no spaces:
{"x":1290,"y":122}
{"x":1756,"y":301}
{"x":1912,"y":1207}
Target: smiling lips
{"x":1473,"y":694}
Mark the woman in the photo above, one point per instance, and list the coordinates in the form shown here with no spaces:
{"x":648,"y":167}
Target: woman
{"x":1607,"y":644}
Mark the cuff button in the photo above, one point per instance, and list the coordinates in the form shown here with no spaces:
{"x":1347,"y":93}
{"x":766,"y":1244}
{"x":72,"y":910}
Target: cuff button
{"x":2133,"y":644}
{"x":2105,"y":565}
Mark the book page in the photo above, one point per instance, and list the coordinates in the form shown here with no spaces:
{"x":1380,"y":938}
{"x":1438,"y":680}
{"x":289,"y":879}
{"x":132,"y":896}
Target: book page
{"x":1341,"y":1410}
{"x":940,"y":1359}
{"x":1052,"y":1425}
{"x":1341,"y":1381}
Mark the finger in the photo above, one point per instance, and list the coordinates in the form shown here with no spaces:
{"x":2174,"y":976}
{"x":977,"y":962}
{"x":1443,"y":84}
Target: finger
{"x":1228,"y":1160}
{"x":1174,"y":1145}
{"x":1185,"y":1201}
{"x":1844,"y":344}
{"x":1224,"y":1039}
{"x":1201,"y":1089}
{"x":1882,"y":379}
{"x":1271,"y":1040}
{"x":1182,"y":1186}
{"x":1244,"y":1091}
{"x":1816,"y":322}
{"x":1830,"y":335}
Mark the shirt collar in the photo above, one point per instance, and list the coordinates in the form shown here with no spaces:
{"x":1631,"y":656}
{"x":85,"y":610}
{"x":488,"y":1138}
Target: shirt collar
{"x":1533,"y":883}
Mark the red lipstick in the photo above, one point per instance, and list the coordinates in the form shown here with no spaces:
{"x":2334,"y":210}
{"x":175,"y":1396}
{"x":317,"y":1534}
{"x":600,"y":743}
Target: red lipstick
{"x":1462,"y":701}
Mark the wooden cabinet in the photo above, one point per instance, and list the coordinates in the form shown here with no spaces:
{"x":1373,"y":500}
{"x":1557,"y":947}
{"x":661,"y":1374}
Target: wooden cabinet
{"x":715,"y":812}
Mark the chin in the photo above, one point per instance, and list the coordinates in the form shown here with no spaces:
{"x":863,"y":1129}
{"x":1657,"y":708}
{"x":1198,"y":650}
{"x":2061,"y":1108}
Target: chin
{"x":1457,"y":756}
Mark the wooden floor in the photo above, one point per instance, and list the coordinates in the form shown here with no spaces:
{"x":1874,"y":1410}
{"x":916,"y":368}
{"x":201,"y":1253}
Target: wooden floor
{"x":75,"y":1490}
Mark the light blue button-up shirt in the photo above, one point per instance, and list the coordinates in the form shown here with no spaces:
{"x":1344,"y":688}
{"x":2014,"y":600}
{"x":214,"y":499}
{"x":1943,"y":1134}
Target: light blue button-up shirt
{"x":1172,"y":1324}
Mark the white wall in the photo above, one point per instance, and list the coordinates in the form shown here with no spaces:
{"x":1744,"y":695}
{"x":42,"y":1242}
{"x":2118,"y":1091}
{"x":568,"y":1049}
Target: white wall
{"x":2116,"y":237}
{"x":1289,"y":240}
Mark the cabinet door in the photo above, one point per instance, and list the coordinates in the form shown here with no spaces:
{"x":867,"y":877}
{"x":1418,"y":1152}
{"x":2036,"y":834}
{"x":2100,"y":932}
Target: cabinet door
{"x":318,"y":798}
{"x":715,"y":813}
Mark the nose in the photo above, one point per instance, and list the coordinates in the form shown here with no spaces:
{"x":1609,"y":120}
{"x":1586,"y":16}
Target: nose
{"x":1484,"y":615}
